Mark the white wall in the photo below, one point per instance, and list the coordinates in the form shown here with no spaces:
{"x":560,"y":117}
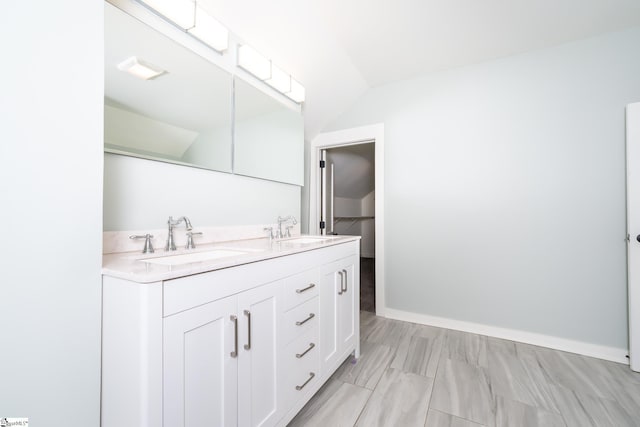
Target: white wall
{"x":141,"y":194}
{"x":505,"y":187}
{"x":51,"y":186}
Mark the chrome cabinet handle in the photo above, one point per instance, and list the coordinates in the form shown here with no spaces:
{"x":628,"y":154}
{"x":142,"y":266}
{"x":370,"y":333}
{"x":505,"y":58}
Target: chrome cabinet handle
{"x":346,"y":280}
{"x":341,"y":282}
{"x":311,"y":286}
{"x":302,"y":322}
{"x":234,"y":319}
{"x":300,"y":387}
{"x":311,"y":345}
{"x":247,"y":346}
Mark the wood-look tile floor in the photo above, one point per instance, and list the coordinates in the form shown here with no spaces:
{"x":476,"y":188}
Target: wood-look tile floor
{"x":415,"y":375}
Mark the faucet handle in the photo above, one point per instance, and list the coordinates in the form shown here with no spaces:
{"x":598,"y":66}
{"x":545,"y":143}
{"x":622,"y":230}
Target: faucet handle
{"x":288,"y":232}
{"x":190,"y":234}
{"x":148,"y":247}
{"x":270,"y":232}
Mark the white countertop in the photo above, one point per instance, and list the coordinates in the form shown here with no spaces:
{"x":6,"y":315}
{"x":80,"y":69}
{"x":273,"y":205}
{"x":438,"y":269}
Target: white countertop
{"x":131,"y":265}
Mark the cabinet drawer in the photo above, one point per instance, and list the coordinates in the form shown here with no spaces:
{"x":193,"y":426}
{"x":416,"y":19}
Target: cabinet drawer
{"x":300,"y":319}
{"x":302,"y":358}
{"x":300,"y":288}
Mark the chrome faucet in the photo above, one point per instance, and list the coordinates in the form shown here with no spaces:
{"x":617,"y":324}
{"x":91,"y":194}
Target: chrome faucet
{"x":281,"y":220}
{"x":171,"y":245}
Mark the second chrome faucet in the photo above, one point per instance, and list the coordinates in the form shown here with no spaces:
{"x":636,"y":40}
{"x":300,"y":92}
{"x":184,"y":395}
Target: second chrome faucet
{"x":171,"y":245}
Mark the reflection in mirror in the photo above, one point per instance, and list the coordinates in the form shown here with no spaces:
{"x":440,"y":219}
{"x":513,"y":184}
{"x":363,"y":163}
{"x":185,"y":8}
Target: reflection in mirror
{"x":181,"y":116}
{"x":268,"y":137}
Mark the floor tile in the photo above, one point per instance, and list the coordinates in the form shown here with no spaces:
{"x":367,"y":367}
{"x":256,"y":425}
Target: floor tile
{"x":338,"y":407}
{"x":463,"y":390}
{"x":519,"y":380}
{"x":605,"y":412}
{"x":388,"y":332}
{"x":572,"y":411}
{"x":400,"y":399}
{"x":367,"y":370}
{"x":572,"y":372}
{"x":419,"y":355}
{"x":465,"y":347}
{"x":500,"y":346}
{"x":510,"y":413}
{"x":412,"y":374}
{"x":440,"y":419}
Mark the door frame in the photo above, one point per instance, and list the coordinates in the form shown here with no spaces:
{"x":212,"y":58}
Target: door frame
{"x":633,"y":231}
{"x":341,"y":138}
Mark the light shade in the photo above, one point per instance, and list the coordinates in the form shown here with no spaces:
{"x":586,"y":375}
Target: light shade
{"x":250,"y":60}
{"x":141,"y":69}
{"x":297,"y":92}
{"x":180,"y":12}
{"x":279,"y":80}
{"x":208,"y":30}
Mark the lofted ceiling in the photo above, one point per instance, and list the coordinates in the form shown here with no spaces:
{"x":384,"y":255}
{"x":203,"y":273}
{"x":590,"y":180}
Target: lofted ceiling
{"x":338,"y":49}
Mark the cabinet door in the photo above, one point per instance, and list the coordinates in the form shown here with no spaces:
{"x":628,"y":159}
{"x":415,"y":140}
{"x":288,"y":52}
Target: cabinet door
{"x":348,"y":303}
{"x":260,"y":322}
{"x":200,"y":372}
{"x":329,"y":295}
{"x":339,"y":308}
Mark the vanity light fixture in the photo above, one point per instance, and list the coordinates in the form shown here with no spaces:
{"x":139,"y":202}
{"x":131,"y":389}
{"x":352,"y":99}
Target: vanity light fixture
{"x":279,"y":80}
{"x":141,"y":69}
{"x":209,"y":31}
{"x":180,"y":12}
{"x":297,"y":92}
{"x":250,"y":60}
{"x":253,"y":62}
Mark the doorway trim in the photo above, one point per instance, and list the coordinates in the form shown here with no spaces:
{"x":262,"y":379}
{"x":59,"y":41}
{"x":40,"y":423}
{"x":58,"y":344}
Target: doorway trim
{"x":341,"y":138}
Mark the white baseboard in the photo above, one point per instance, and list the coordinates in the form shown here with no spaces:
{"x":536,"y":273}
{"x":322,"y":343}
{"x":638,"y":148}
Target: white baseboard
{"x":593,"y":350}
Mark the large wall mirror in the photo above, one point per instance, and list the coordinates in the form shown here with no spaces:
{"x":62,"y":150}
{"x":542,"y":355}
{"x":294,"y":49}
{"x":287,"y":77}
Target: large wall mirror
{"x":186,"y":114}
{"x":269,"y":137}
{"x":182,"y":116}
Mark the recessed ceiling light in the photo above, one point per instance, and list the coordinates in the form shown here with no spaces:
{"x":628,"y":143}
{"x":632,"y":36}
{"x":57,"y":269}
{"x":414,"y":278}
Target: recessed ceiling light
{"x":141,"y":69}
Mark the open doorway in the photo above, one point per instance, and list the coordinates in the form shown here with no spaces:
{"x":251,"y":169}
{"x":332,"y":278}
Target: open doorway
{"x":348,"y":206}
{"x":373,"y":137}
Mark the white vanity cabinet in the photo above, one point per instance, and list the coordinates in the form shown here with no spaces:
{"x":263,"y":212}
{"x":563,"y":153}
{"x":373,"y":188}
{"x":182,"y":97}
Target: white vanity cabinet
{"x":246,"y":345}
{"x":221,"y":361}
{"x":339,"y":311}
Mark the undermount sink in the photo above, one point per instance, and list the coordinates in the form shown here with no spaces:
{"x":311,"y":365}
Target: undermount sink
{"x":193,"y":257}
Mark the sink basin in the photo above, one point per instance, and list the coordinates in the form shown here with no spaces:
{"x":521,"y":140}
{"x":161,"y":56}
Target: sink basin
{"x":306,"y":239}
{"x":193,"y":257}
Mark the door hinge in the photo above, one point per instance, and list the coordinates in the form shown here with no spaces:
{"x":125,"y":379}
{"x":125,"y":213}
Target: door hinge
{"x":322,"y":164}
{"x":322,"y":225}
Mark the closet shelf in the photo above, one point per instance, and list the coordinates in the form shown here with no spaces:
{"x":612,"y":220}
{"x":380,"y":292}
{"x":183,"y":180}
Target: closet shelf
{"x":351,"y":218}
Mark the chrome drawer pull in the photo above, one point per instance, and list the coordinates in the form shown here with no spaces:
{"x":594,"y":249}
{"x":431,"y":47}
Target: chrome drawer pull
{"x":311,"y":345}
{"x":346,"y":280}
{"x":234,"y":319}
{"x":311,"y":286}
{"x":300,"y":387}
{"x":302,"y":322}
{"x":341,"y":283}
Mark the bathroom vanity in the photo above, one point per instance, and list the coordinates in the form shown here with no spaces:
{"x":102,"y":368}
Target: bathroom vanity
{"x":243,"y":336}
